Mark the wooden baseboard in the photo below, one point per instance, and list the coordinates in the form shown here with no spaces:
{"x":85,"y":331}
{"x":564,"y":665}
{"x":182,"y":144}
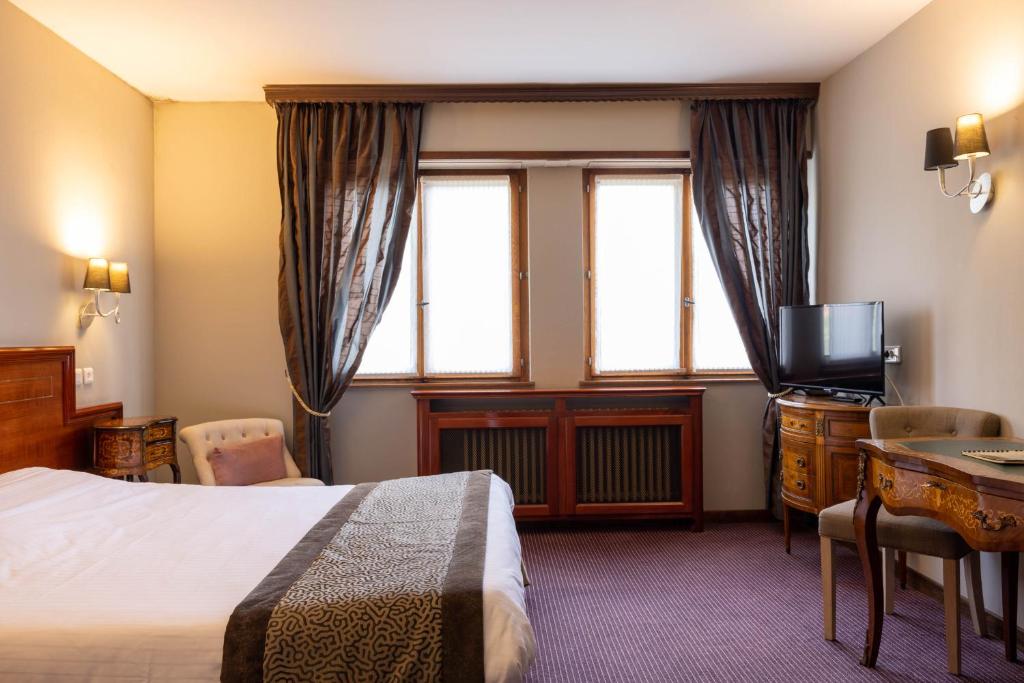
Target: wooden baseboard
{"x":759,"y":515}
{"x":993,"y":623}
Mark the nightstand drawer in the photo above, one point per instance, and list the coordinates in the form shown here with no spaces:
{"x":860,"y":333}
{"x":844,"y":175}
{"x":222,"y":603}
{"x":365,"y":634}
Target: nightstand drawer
{"x":160,"y":454}
{"x":161,"y":431}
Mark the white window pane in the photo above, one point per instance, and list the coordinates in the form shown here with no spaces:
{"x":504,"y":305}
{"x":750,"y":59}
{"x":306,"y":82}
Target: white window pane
{"x":392,"y":346}
{"x":716,"y":340}
{"x":467,"y":277}
{"x":636,"y":272}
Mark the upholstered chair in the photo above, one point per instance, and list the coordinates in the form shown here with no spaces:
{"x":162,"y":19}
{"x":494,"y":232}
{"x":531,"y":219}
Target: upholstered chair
{"x":914,"y":534}
{"x":203,"y":438}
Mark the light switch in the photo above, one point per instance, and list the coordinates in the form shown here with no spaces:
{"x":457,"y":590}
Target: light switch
{"x":87,"y":376}
{"x":78,"y":377}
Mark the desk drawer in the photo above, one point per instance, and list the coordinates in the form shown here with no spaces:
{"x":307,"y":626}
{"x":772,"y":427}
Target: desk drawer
{"x":987,"y":522}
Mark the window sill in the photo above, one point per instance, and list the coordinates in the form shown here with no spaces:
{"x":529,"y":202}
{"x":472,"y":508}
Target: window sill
{"x":384,"y":382}
{"x":684,"y":380}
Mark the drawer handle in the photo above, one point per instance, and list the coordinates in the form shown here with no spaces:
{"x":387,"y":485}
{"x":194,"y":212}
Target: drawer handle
{"x":800,"y":462}
{"x":884,"y":483}
{"x":937,"y":485}
{"x":996,"y":523}
{"x":801,"y":484}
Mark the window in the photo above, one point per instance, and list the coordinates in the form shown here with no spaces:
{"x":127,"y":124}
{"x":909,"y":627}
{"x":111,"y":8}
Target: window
{"x":655,"y":306}
{"x":459,"y":309}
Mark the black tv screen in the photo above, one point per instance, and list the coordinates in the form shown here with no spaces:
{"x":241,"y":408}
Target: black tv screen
{"x":835,"y":347}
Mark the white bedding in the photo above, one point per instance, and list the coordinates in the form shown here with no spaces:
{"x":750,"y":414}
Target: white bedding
{"x":109,"y":580}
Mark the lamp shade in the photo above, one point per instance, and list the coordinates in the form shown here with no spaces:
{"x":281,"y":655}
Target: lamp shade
{"x":119,"y":281}
{"x":97,"y":274}
{"x":971,"y":140}
{"x":938,"y":149}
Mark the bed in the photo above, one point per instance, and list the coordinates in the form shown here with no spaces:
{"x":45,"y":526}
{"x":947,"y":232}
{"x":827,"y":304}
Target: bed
{"x":110,"y":580}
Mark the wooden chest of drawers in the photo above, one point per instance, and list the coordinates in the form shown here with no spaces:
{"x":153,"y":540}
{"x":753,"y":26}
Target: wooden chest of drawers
{"x":819,"y":455}
{"x":131,"y":447}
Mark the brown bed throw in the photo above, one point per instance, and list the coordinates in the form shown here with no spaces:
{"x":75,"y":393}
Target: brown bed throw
{"x":386,"y":587}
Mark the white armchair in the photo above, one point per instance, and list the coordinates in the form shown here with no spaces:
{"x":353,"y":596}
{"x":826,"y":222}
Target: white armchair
{"x":203,"y":438}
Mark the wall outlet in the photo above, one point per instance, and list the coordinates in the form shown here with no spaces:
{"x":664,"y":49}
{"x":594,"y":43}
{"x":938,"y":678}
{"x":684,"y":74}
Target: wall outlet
{"x":87,"y":376}
{"x":893,"y":354}
{"x":78,"y":377}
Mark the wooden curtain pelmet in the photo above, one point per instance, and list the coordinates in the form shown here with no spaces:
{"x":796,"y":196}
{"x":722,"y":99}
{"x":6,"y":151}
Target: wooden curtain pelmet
{"x":537,"y":92}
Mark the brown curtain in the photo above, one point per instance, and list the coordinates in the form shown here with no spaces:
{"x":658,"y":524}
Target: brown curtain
{"x":347,"y":175}
{"x":749,"y":161}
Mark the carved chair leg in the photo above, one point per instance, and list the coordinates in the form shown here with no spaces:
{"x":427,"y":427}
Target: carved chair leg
{"x":828,"y":586}
{"x":889,"y":579}
{"x":975,"y":597}
{"x":951,"y":602}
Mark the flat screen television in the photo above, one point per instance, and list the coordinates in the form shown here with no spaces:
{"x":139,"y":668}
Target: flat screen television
{"x":833,"y":347}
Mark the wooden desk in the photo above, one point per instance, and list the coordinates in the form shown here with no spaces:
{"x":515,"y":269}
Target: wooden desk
{"x":983,"y":502}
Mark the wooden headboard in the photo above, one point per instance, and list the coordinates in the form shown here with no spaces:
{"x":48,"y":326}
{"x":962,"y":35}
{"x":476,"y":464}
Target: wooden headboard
{"x":40,"y":424}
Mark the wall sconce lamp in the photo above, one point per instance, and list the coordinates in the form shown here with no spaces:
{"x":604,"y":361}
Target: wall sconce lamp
{"x":104,"y":276}
{"x":942,"y":152}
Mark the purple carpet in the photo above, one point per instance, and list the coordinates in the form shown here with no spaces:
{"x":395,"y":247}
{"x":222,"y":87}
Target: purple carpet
{"x":665,"y":604}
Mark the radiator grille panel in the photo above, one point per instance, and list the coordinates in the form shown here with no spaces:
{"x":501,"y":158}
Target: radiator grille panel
{"x":518,"y":455}
{"x":628,"y":464}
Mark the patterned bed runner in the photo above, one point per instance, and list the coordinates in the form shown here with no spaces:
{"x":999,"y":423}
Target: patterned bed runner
{"x":386,"y":587}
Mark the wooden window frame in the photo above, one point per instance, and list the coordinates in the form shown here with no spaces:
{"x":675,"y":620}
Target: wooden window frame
{"x":519,"y":272}
{"x":686,"y":369}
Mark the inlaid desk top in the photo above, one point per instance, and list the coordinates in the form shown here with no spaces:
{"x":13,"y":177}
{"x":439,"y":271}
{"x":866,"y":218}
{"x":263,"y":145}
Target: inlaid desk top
{"x":943,"y":457}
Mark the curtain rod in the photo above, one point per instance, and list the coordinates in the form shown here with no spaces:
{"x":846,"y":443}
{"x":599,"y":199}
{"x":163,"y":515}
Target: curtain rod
{"x":537,"y":92}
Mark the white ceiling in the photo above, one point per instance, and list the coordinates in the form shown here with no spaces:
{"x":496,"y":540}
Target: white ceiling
{"x":228,"y":49}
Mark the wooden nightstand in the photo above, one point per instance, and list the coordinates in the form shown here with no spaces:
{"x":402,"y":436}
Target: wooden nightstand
{"x":131,"y":447}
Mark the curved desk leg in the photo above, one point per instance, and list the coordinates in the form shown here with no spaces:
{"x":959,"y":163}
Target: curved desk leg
{"x":865,"y":515}
{"x":1011,"y":568}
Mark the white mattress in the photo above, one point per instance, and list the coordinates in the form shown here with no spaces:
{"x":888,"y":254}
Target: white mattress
{"x":109,"y":580}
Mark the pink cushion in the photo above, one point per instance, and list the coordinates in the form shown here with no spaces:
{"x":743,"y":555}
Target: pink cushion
{"x":248,"y":462}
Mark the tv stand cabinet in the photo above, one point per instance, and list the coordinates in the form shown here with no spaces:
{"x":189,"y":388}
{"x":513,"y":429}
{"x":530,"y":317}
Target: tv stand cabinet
{"x":819,"y":455}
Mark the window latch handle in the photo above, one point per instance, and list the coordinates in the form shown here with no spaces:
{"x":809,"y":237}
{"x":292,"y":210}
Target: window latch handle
{"x":421,"y":304}
{"x":687,"y":301}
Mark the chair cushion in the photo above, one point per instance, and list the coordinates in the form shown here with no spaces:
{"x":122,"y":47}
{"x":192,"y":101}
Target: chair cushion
{"x":203,"y":438}
{"x":902,"y":532}
{"x":251,"y":462}
{"x":291,"y":481}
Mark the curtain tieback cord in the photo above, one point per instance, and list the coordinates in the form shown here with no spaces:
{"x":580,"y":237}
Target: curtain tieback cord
{"x":298,"y":398}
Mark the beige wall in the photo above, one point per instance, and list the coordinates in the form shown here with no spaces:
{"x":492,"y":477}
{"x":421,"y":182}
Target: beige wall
{"x":217,"y":213}
{"x":76,"y":168}
{"x":218,"y":349}
{"x":951,"y":280}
